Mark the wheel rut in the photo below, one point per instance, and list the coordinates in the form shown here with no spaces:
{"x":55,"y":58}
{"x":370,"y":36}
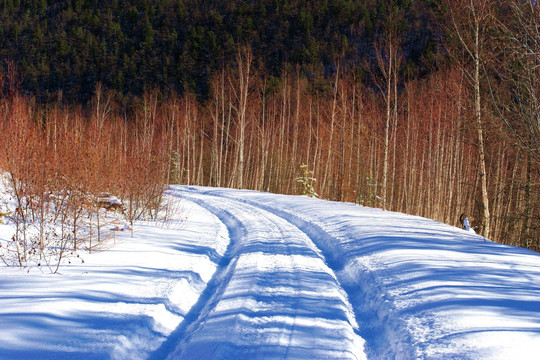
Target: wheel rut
{"x":382,"y":333}
{"x":273,"y":295}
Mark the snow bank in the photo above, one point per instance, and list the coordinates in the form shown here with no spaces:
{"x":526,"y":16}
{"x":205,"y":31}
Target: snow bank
{"x":121,"y":303}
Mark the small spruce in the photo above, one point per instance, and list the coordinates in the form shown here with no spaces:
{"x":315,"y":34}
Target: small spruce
{"x":306,"y":180}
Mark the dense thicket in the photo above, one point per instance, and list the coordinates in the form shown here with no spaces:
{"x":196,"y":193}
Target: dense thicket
{"x":404,"y":105}
{"x":64,"y":48}
{"x":60,"y":166}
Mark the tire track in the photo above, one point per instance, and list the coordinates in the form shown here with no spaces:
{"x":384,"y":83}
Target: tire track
{"x":386,"y":335}
{"x":234,"y":229}
{"x":273,"y":293}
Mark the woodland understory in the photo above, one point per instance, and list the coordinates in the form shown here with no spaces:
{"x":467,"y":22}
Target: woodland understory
{"x":255,"y":137}
{"x":463,"y":139}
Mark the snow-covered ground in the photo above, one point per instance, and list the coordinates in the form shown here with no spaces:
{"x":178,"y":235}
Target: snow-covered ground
{"x":244,"y":275}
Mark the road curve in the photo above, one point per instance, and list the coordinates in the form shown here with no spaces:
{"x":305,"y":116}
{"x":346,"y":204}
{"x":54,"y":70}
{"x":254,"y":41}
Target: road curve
{"x":420,"y":289}
{"x":273,"y":296}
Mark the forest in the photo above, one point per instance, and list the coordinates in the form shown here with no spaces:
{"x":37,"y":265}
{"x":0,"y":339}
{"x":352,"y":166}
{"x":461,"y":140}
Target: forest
{"x":423,"y":107}
{"x":62,"y":49}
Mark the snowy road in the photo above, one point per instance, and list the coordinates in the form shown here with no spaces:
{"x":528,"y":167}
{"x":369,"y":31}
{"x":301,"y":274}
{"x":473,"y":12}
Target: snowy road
{"x":418,"y":289}
{"x":275,"y":297}
{"x":252,"y":275}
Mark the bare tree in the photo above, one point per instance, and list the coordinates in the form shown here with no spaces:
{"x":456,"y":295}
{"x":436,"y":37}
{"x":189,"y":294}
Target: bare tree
{"x":244,"y":60}
{"x":518,"y":100}
{"x":388,"y":60}
{"x":470,"y":22}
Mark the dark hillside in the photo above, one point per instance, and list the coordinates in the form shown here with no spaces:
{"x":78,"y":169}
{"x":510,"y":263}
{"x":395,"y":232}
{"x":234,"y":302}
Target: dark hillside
{"x":67,"y":47}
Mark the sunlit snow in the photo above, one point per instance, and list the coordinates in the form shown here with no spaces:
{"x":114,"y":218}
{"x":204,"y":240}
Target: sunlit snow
{"x":245,"y":275}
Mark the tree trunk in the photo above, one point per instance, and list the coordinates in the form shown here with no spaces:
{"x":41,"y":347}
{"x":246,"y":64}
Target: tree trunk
{"x":481,"y":152}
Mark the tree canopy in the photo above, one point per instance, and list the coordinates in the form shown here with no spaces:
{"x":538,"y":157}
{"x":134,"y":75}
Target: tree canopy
{"x":64,"y":48}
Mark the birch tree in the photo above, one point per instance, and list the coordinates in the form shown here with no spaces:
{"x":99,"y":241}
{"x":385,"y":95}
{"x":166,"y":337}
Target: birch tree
{"x":388,"y":61}
{"x":520,"y":101}
{"x":244,"y":60}
{"x":470,"y":21}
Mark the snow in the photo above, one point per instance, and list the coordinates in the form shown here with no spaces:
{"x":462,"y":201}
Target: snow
{"x":242,"y":274}
{"x":467,"y":226}
{"x":121,"y":303}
